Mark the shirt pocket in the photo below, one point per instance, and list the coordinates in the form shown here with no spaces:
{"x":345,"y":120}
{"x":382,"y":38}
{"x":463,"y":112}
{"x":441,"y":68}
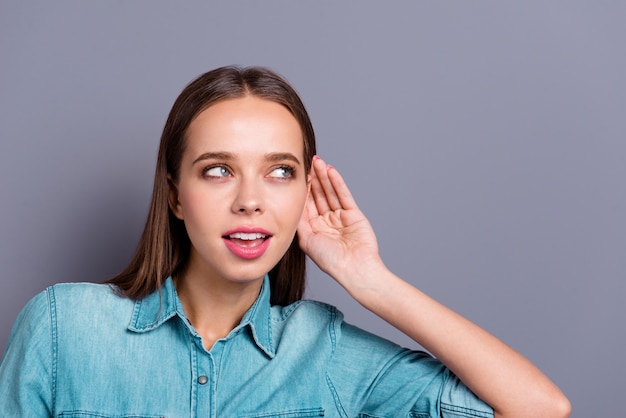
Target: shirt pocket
{"x":300,"y":413}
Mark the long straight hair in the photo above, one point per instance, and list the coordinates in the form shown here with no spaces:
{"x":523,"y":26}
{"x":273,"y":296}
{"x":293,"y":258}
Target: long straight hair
{"x":164,"y":247}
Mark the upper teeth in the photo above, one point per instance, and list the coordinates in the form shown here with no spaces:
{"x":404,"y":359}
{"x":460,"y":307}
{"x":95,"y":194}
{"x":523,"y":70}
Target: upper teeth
{"x":244,"y":236}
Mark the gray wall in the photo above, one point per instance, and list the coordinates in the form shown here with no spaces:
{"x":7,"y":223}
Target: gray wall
{"x":485,"y":141}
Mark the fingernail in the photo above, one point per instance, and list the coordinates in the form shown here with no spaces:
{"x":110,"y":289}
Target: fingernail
{"x":316,"y":157}
{"x":328,"y":166}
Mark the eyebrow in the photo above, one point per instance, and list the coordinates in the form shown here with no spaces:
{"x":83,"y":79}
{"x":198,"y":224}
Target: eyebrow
{"x":227,"y":156}
{"x":214,"y":156}
{"x":281,"y":156}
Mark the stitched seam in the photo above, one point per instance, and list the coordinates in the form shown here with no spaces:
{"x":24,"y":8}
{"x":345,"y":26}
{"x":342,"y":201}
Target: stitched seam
{"x":308,"y":412}
{"x":98,"y":415}
{"x":333,"y":392}
{"x":288,"y":310}
{"x":270,"y":338}
{"x":53,"y":344}
{"x":332,"y":333}
{"x":468,"y":412}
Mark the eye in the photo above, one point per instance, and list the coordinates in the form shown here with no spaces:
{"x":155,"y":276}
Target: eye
{"x":216,"y":171}
{"x":282,"y":172}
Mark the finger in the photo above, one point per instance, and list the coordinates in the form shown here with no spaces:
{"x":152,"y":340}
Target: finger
{"x":330,"y":194}
{"x":346,"y":200}
{"x":317,"y":190}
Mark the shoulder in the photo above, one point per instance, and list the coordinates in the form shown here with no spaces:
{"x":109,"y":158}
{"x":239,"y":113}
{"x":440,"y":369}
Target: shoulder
{"x":32,"y":319}
{"x":76,"y":305}
{"x":312,"y":323}
{"x":319,"y":318}
{"x":85,"y":296}
{"x":73,"y":306}
{"x":306,"y":310}
{"x":83,"y":289}
{"x":65,"y":308}
{"x":77,"y":295}
{"x":309,"y":315}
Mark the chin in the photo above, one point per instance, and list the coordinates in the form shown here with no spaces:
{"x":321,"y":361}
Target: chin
{"x":246,"y":276}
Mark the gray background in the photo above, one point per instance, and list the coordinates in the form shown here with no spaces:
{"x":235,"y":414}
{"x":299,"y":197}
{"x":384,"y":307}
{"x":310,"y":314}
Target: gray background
{"x":484,"y":140}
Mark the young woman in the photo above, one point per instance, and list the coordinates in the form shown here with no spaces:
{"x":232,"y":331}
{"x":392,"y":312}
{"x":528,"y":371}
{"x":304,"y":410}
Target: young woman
{"x":207,"y":320}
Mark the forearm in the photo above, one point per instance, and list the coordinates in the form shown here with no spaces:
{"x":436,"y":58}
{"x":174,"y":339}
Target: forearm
{"x":337,"y":236}
{"x":500,"y":376}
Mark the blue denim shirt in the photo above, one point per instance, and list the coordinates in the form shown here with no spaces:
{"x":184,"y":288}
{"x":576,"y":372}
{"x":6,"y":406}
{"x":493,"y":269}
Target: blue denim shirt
{"x":79,"y":350}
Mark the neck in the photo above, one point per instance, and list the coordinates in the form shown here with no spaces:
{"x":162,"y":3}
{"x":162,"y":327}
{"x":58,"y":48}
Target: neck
{"x":215,"y":306}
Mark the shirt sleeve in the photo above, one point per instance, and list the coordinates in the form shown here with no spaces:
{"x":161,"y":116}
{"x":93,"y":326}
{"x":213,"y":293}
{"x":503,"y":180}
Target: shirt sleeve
{"x":26,"y":371}
{"x":372,"y":377}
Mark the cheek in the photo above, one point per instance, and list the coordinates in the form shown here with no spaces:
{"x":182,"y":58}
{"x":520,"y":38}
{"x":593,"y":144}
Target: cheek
{"x":291,"y":207}
{"x":195,"y":203}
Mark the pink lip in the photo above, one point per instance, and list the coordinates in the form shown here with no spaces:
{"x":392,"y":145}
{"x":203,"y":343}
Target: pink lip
{"x":251,"y":249}
{"x":247,"y":230}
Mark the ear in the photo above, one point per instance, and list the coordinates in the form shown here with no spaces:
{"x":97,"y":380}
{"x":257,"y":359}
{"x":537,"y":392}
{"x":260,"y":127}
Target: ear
{"x":172,"y":198}
{"x":309,"y":179}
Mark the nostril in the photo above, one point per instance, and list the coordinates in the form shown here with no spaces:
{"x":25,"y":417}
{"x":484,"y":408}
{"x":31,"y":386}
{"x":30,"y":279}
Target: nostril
{"x":249,"y":210}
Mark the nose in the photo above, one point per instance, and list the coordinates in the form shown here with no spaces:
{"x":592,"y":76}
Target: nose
{"x":248,"y":199}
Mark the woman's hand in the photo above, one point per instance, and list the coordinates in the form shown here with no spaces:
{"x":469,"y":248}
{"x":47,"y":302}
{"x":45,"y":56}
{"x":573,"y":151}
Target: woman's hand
{"x":333,"y":232}
{"x":338,"y":237}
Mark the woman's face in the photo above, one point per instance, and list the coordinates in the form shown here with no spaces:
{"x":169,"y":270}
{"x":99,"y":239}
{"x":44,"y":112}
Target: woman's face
{"x":241,"y":189}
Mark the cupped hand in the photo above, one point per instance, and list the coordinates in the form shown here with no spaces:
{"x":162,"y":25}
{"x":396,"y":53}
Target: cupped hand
{"x":333,"y":232}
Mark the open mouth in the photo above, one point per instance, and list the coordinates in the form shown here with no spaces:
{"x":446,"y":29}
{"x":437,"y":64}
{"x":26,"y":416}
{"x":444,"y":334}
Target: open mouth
{"x":247,"y":245}
{"x":247,"y":239}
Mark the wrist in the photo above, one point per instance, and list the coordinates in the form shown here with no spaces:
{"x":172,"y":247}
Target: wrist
{"x":365,"y":280}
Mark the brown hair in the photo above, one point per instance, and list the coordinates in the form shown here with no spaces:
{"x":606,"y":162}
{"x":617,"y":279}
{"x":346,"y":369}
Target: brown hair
{"x":164,"y":246}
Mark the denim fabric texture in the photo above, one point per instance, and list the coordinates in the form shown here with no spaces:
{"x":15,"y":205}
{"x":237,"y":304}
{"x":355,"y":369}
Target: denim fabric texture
{"x":80,"y":350}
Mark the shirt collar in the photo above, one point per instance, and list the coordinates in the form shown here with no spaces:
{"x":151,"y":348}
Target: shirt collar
{"x":158,"y":307}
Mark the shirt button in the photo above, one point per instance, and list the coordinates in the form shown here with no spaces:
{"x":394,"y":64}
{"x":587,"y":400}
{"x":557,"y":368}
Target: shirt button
{"x":202,"y":380}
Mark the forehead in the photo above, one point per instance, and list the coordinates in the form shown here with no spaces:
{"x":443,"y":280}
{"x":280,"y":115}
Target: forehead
{"x":245,"y":125}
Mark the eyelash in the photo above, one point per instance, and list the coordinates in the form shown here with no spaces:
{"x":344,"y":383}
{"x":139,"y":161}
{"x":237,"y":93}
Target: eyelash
{"x":290,"y":171}
{"x":210,"y":167}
